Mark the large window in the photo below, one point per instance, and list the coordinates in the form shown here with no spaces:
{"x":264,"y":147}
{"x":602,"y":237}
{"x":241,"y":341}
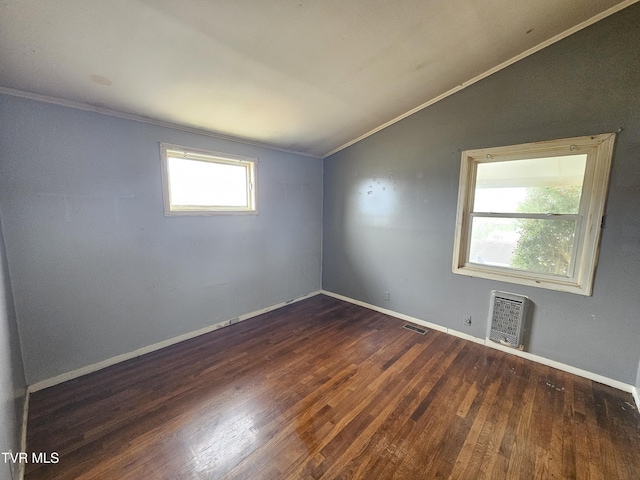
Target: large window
{"x":531,"y":214}
{"x":198,"y":182}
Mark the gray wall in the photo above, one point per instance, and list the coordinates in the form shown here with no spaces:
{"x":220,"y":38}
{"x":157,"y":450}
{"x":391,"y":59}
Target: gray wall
{"x":12,"y":382}
{"x":98,"y":271}
{"x":390,"y":200}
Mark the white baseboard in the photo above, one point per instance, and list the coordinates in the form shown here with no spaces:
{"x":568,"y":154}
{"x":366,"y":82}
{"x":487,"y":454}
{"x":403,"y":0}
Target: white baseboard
{"x":485,"y":341}
{"x":625,"y":387}
{"x":19,"y":471}
{"x":402,"y":316}
{"x":23,"y":433}
{"x":157,"y":346}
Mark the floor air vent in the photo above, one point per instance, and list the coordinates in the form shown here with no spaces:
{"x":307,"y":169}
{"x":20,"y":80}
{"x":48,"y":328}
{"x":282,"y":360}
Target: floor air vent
{"x":413,"y":328}
{"x":507,"y":317}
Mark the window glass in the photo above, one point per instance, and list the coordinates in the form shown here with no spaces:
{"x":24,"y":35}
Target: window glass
{"x":528,"y":244}
{"x":537,"y":185}
{"x":199,"y":182}
{"x":532,"y":213}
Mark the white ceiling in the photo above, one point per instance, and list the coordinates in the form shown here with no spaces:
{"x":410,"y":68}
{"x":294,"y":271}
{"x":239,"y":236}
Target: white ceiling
{"x":307,"y":76}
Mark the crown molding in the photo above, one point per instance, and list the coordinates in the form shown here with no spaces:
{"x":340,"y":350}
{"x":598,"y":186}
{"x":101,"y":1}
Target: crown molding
{"x":140,"y":118}
{"x":505,"y":64}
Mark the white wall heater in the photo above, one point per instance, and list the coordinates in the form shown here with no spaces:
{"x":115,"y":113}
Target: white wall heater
{"x":507,"y":317}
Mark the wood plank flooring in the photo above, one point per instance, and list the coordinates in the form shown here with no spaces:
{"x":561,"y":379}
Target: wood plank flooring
{"x":326,"y":389}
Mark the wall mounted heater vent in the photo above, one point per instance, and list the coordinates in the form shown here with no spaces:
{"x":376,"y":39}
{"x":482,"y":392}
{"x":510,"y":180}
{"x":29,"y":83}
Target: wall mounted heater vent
{"x":507,"y":317}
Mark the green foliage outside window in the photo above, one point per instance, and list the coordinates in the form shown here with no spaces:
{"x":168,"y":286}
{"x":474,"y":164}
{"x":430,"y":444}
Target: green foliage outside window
{"x":546,"y":245}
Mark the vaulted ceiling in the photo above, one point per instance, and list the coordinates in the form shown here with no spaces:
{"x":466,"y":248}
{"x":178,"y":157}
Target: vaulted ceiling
{"x":307,"y":75}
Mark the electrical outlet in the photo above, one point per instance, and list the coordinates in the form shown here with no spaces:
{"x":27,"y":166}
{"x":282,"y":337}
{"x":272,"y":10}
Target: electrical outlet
{"x":387,"y":296}
{"x":467,"y":319}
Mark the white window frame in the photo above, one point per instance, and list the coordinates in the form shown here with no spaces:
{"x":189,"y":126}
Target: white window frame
{"x":250,"y":164}
{"x":599,"y":150}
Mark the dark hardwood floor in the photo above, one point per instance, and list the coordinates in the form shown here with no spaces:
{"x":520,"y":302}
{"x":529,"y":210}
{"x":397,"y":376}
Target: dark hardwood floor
{"x":326,"y":389}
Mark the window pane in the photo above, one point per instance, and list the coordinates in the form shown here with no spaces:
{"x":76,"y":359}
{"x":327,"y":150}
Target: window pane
{"x":534,"y":245}
{"x":198,"y":183}
{"x":539,"y":185}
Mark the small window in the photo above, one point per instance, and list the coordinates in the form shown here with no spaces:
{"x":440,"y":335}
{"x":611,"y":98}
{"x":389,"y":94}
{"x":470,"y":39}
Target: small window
{"x":198,"y":182}
{"x":531,"y":214}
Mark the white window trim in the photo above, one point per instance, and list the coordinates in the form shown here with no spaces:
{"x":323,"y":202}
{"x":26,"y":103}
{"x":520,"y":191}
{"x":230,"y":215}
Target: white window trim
{"x":209,"y":156}
{"x":599,"y":149}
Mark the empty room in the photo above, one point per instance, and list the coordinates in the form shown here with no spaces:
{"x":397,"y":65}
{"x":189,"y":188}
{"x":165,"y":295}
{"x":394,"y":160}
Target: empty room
{"x":319,"y":240}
